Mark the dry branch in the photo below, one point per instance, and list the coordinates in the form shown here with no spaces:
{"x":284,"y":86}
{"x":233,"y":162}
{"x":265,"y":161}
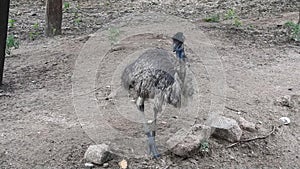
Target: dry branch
{"x":252,"y":139}
{"x":235,"y":110}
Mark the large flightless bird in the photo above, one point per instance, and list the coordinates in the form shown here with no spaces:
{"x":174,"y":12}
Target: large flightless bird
{"x":158,"y":75}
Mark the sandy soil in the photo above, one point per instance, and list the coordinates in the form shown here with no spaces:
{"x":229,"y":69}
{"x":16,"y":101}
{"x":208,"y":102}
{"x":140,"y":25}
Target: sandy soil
{"x":39,"y":126}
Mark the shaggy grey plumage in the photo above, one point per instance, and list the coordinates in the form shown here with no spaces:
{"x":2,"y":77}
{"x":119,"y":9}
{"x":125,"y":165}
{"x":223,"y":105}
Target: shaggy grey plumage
{"x":155,"y":74}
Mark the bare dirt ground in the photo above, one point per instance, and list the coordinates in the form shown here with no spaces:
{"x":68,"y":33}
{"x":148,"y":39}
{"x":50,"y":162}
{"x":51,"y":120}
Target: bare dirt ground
{"x":39,"y":126}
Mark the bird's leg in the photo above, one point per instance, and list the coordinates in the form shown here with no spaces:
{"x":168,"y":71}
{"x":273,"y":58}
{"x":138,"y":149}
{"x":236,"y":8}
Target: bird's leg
{"x":151,"y":140}
{"x":158,"y":101}
{"x":153,"y":132}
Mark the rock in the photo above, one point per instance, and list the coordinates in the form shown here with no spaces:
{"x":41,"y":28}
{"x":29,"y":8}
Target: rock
{"x":185,"y":142}
{"x":89,"y":165}
{"x":283,"y":101}
{"x":33,"y":14}
{"x":98,"y":154}
{"x":285,"y":120}
{"x":123,"y":164}
{"x":226,"y":128}
{"x":290,"y":101}
{"x":105,"y":165}
{"x":246,"y":125}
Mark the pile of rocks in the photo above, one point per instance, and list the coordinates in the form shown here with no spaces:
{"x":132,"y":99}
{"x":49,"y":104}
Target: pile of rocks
{"x":185,"y":142}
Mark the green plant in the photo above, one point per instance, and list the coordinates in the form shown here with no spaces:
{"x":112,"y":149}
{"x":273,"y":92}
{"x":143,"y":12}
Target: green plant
{"x":251,"y":27}
{"x":76,"y":14}
{"x":36,"y":26}
{"x":34,"y":34}
{"x":237,"y":22}
{"x":66,"y":6}
{"x":107,"y":3}
{"x":11,"y":22}
{"x":212,"y":18}
{"x":53,"y":31}
{"x":293,"y":30}
{"x":77,"y":20}
{"x":204,"y":147}
{"x":11,"y":42}
{"x":230,"y":14}
{"x":114,"y":34}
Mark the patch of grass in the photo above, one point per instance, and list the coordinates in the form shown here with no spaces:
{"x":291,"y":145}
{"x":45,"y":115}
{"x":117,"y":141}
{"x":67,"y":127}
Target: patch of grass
{"x":108,"y":3}
{"x":36,"y":26}
{"x":293,"y":30}
{"x":11,"y":23}
{"x":250,"y":27}
{"x":204,"y":147}
{"x":237,"y":22}
{"x":212,"y":18}
{"x":78,"y":20}
{"x":76,"y":14}
{"x":32,"y":36}
{"x":113,"y":36}
{"x":230,"y":14}
{"x":66,"y":6}
{"x":35,"y":33}
{"x":11,"y":42}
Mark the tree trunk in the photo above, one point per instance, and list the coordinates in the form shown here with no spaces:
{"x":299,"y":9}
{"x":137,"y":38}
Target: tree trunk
{"x":299,"y":17}
{"x":53,"y":17}
{"x":4,"y":10}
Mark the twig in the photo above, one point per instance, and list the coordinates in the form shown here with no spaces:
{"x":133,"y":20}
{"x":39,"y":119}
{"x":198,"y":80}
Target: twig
{"x":167,"y":167}
{"x":252,"y":139}
{"x":5,"y":95}
{"x":235,"y":110}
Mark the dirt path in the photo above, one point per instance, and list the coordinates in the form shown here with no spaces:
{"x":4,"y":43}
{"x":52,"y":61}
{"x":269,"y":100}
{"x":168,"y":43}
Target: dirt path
{"x":40,"y":128}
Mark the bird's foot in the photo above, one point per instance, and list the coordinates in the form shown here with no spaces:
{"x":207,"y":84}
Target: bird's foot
{"x":152,"y":146}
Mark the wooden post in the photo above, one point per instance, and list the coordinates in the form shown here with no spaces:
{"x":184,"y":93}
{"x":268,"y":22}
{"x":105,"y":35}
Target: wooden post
{"x":299,"y":16}
{"x":53,"y":17}
{"x":4,"y":11}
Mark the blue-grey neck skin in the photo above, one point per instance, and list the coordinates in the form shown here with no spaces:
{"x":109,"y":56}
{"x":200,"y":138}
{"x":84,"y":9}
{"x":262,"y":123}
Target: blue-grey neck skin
{"x":179,"y":49}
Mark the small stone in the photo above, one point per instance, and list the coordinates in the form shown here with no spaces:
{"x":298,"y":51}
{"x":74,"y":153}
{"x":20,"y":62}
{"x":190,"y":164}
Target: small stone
{"x":123,"y":164}
{"x":284,"y":101}
{"x":98,"y":154}
{"x":186,"y":141}
{"x":33,"y":14}
{"x":89,"y":165}
{"x":226,"y":128}
{"x":246,"y":125}
{"x":105,"y":165}
{"x":285,"y":120}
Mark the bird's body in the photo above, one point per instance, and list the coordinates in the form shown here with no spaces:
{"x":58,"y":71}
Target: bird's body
{"x":153,"y":72}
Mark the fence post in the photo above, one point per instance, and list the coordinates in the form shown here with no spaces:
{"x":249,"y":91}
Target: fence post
{"x":4,"y":11}
{"x":53,"y":17}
